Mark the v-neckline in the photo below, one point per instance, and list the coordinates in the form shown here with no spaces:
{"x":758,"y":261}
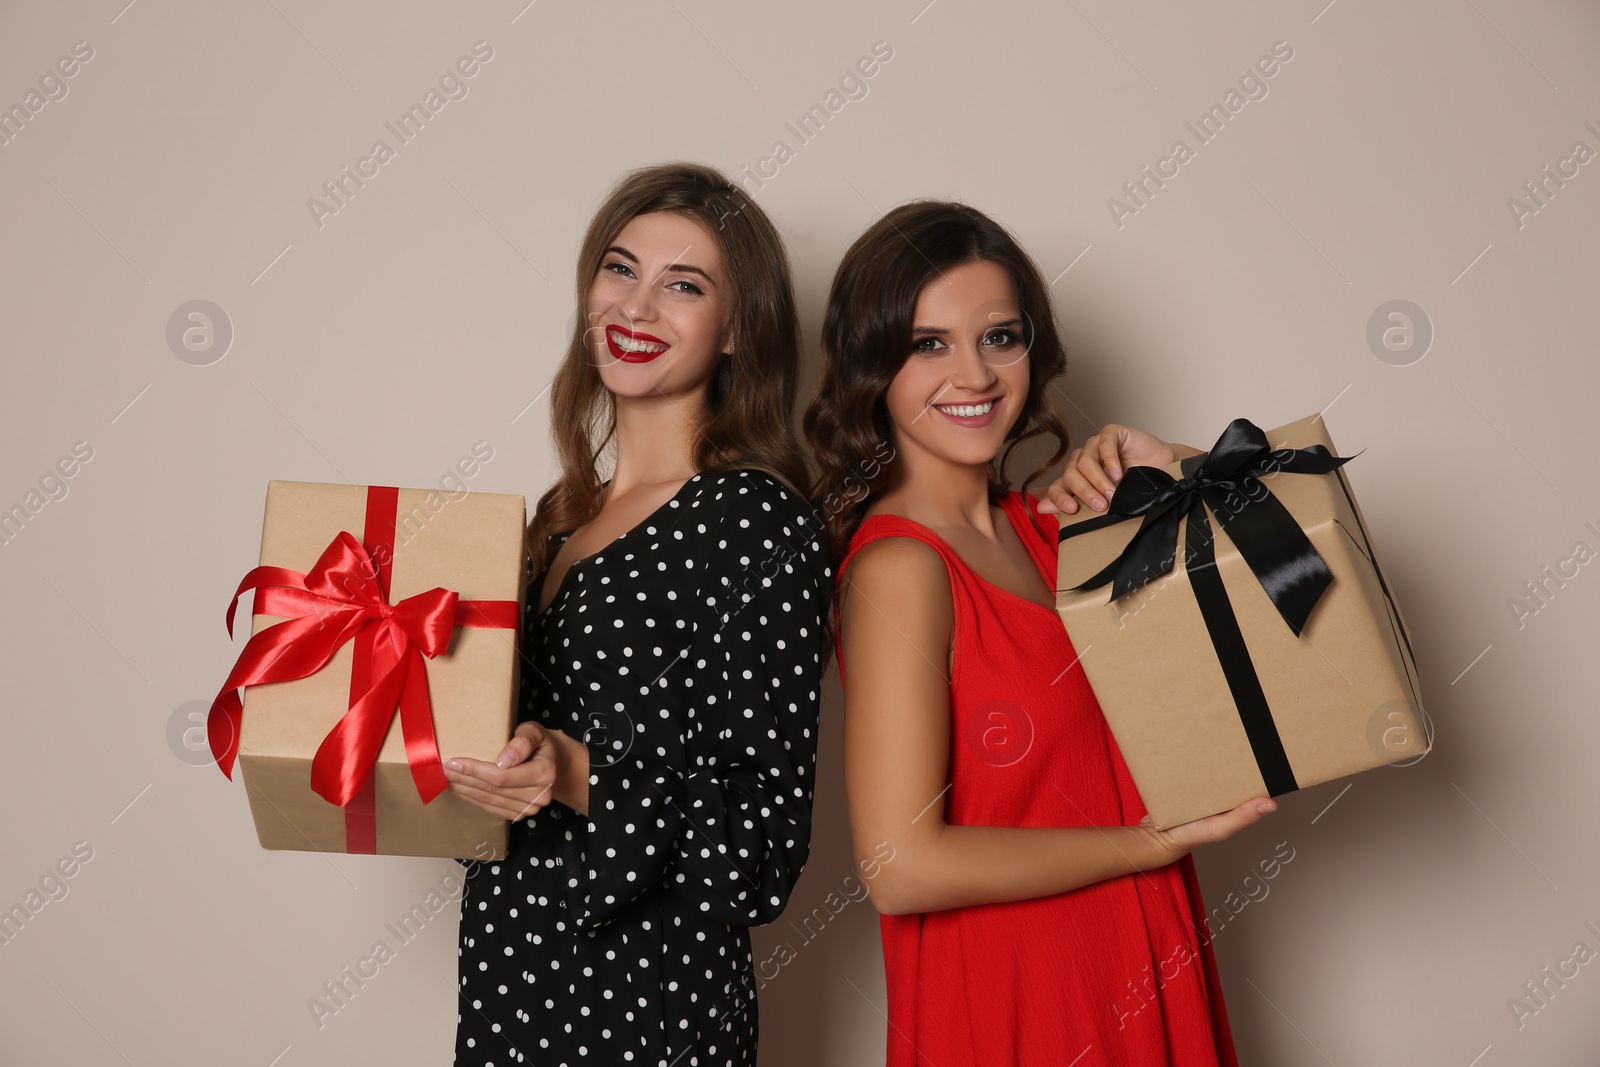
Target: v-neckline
{"x":973,"y":571}
{"x":575,"y":564}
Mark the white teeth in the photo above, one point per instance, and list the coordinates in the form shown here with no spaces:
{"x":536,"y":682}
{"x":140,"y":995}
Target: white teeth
{"x":629,"y":344}
{"x":966,"y":411}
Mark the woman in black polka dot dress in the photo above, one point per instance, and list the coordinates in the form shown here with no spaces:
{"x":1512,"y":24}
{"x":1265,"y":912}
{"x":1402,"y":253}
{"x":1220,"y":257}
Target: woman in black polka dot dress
{"x":660,"y":782}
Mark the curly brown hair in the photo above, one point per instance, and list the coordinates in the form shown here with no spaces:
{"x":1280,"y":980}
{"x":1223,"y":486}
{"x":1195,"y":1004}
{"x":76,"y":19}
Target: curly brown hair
{"x":866,"y":338}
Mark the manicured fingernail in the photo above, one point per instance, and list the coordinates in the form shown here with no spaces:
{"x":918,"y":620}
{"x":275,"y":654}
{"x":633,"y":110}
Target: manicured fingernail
{"x":453,"y":764}
{"x":1267,"y":806}
{"x":1099,"y":503}
{"x":506,"y":758}
{"x":1115,"y":472}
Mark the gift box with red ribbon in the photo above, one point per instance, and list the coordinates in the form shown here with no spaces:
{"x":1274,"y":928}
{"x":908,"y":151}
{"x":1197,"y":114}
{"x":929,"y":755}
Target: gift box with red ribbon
{"x":386,"y":631}
{"x":1248,"y":643}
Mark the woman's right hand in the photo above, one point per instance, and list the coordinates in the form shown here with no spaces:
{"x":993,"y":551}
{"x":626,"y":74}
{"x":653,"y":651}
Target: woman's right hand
{"x":1219,"y":827}
{"x":521,"y":781}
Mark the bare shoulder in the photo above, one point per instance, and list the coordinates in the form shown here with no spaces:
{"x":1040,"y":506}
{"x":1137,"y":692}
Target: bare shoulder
{"x":900,"y":581}
{"x":896,"y":561}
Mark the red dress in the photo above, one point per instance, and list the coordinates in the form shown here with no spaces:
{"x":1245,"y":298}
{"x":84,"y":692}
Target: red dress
{"x":1119,"y":972}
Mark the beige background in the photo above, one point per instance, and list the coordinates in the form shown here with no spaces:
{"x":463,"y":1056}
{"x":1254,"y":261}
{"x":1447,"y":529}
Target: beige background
{"x":427,"y":315}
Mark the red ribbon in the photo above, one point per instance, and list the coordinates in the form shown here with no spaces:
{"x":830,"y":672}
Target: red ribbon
{"x":343,"y":597}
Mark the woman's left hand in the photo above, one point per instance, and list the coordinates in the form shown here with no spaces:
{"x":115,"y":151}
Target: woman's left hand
{"x":1093,"y":471}
{"x":534,"y":765}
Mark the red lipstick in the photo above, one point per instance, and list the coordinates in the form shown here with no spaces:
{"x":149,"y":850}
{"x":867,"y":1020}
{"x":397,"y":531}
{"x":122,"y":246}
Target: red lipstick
{"x":635,"y":337}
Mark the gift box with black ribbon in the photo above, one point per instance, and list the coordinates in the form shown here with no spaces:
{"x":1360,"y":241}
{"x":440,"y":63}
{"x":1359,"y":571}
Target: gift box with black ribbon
{"x":386,"y":628}
{"x":1248,"y":642}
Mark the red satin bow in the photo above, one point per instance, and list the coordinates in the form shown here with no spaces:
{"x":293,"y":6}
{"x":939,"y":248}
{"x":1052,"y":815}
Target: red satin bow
{"x":322,"y":609}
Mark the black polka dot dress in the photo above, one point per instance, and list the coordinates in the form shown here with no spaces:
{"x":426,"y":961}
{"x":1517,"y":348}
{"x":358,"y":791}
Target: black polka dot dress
{"x":687,"y":654}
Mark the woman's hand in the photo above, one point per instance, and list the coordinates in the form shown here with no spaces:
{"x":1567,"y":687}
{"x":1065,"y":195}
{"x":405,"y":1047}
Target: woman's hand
{"x":1093,"y":471}
{"x":1185,"y":836}
{"x":537,"y":765}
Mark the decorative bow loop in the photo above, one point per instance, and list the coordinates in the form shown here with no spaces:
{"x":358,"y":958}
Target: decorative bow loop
{"x":334,"y":602}
{"x":1228,"y":480}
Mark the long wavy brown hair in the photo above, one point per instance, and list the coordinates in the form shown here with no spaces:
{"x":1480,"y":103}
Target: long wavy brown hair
{"x":866,"y":339}
{"x":751,"y":395}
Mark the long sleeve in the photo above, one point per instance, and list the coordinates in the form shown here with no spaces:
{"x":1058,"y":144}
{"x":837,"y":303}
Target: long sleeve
{"x":718,"y":812}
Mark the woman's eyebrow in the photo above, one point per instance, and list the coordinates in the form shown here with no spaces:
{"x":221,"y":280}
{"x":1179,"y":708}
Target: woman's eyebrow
{"x":671,"y":268}
{"x":688,"y":268}
{"x":940,"y":331}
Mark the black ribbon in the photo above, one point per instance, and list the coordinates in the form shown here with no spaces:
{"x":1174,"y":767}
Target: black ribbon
{"x":1228,"y":481}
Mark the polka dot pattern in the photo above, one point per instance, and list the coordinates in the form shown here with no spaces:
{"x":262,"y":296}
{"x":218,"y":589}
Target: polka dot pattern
{"x":687,"y":656}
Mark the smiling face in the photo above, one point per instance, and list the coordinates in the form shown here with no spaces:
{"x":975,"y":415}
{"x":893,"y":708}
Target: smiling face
{"x":966,"y":379}
{"x":658,"y":307}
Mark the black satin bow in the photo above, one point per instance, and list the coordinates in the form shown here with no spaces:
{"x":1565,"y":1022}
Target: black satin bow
{"x":1229,"y":480}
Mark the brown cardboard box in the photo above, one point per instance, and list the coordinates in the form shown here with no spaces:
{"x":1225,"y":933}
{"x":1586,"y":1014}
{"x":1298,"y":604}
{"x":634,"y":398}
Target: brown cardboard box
{"x":1343,"y":696}
{"x":472,"y":544}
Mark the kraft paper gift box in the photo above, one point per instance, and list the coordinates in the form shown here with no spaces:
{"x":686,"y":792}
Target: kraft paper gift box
{"x":1232,"y":620}
{"x":386,"y":638}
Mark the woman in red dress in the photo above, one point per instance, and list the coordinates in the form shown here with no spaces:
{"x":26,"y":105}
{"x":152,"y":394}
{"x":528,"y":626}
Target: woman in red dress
{"x":1030,"y":913}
